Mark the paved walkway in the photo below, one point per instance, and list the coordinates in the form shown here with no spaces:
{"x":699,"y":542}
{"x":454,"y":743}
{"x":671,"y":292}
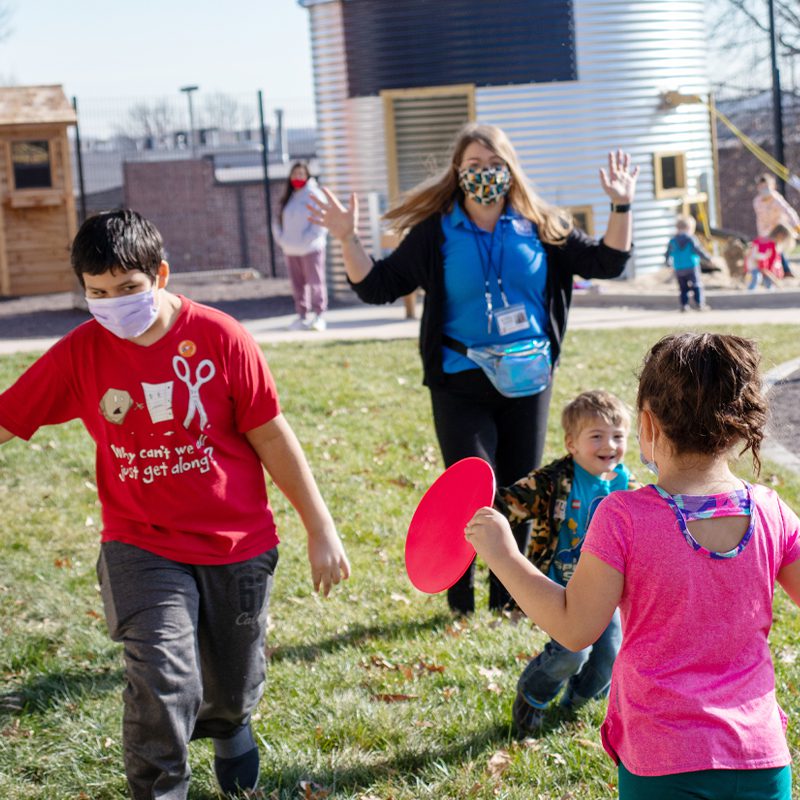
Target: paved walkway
{"x":265,"y":318}
{"x":388,"y":322}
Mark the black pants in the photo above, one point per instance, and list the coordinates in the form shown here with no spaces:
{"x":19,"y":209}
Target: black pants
{"x":473,"y":419}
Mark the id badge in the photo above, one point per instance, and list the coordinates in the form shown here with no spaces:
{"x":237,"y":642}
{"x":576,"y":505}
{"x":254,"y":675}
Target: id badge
{"x":512,"y":319}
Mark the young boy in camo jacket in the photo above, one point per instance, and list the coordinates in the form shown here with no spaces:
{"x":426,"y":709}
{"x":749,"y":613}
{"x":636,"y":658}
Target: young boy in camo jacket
{"x":559,"y":499}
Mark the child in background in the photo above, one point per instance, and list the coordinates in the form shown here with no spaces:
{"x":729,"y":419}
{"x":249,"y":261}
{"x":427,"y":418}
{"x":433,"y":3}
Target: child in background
{"x":765,"y":257}
{"x":684,"y":254}
{"x":560,"y":499}
{"x":771,"y":209}
{"x":692,"y":562}
{"x":185,"y":417}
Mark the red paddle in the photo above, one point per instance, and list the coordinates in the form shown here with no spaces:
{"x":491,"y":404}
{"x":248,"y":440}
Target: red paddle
{"x":437,"y":554}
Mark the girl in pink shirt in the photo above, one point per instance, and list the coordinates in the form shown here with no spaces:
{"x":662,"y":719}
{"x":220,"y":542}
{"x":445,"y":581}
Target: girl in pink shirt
{"x":692,"y":562}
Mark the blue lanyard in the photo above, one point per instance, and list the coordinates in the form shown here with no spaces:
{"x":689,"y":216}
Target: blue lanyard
{"x":488,"y":266}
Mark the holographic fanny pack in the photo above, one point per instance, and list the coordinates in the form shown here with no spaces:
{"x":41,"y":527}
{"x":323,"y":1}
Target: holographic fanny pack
{"x":519,"y":369}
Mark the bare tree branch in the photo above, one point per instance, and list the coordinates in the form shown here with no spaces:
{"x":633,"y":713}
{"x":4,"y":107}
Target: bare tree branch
{"x":6,"y":15}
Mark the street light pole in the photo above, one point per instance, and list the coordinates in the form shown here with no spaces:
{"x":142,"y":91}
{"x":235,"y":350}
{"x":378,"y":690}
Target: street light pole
{"x":192,"y":144}
{"x":777,"y":102}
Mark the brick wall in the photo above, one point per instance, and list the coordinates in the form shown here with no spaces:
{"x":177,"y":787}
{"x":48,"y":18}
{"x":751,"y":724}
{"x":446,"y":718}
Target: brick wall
{"x":738,"y":170}
{"x":205,"y":224}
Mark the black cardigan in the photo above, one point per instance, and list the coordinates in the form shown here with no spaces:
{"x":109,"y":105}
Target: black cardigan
{"x":418,"y":262}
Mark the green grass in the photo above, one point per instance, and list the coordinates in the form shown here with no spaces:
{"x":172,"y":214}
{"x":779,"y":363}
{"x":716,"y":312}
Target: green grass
{"x":365,"y":423}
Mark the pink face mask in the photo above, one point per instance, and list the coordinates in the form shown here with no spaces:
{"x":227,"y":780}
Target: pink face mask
{"x":128,"y":316}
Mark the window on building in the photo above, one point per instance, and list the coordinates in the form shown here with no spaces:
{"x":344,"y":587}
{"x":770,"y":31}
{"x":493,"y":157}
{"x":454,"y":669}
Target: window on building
{"x":420,"y":127}
{"x":583,"y":217}
{"x":669,"y":172}
{"x":30,"y":165}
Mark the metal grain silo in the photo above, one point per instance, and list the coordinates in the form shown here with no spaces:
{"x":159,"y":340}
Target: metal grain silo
{"x":568,"y":80}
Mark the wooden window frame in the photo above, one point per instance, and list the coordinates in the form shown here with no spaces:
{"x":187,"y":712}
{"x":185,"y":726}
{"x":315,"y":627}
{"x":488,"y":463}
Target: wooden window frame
{"x":10,"y":163}
{"x":658,"y":176}
{"x":388,"y":96}
{"x":588,"y":212}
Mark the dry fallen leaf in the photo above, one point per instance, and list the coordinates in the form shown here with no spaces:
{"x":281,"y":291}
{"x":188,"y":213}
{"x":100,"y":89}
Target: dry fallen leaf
{"x":424,"y":666}
{"x":499,"y":763}
{"x":313,"y":791}
{"x":590,"y":743}
{"x":491,"y":672}
{"x":384,"y":697}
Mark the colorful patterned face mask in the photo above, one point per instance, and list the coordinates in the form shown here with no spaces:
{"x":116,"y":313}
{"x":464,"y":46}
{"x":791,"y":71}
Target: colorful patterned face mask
{"x":485,"y":186}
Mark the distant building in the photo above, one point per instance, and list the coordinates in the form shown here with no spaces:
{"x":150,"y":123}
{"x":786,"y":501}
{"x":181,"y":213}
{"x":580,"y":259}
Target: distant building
{"x":37,"y":209}
{"x":738,"y":167}
{"x":567,"y":80}
{"x":210,"y":205}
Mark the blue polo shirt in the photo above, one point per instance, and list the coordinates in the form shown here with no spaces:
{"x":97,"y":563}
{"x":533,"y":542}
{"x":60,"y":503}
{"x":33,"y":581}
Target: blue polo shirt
{"x":522,"y":262}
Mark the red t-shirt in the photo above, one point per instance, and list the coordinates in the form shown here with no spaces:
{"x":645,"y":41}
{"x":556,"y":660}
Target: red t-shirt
{"x":766,"y":257}
{"x":175,"y":474}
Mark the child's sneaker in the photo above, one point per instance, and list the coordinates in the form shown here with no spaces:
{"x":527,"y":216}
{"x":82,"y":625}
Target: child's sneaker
{"x":684,"y":309}
{"x":237,"y":775}
{"x":318,"y":323}
{"x":298,"y":324}
{"x":527,"y":718}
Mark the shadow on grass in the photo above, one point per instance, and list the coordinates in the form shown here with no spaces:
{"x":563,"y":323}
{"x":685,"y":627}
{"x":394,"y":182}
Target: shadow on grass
{"x":357,"y":635}
{"x":47,"y":691}
{"x":405,"y":763}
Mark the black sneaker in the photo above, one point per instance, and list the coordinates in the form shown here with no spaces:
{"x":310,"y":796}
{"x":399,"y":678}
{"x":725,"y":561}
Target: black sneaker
{"x":527,"y":718}
{"x":236,"y":775}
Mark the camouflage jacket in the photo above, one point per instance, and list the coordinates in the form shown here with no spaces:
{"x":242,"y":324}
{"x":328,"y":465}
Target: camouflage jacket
{"x":541,"y":498}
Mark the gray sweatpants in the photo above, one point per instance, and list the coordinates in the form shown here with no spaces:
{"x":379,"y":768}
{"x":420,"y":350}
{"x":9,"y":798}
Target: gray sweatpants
{"x":193,"y":640}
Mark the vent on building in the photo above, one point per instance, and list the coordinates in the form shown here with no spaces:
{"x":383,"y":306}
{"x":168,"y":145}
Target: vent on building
{"x":421,"y":125}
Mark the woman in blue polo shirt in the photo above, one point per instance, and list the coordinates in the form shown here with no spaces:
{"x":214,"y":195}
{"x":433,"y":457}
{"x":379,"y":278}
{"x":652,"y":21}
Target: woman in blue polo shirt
{"x":497,"y":265}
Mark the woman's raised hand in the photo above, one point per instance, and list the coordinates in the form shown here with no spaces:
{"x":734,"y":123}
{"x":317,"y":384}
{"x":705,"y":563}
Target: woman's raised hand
{"x":339,"y":220}
{"x":619,"y":182}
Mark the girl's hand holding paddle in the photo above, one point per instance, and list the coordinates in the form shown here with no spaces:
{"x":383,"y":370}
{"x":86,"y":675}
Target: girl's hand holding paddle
{"x":490,"y":534}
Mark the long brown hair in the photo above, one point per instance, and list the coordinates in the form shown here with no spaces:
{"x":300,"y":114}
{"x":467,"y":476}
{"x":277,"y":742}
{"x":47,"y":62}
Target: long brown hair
{"x":438,"y":193}
{"x":288,"y":190}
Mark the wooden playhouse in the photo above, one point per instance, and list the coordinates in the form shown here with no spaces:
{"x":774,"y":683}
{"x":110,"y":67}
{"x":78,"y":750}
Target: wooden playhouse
{"x":37,"y":205}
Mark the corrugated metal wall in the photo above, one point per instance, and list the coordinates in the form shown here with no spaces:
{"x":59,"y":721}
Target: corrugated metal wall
{"x":350,"y":140}
{"x":628,"y":53}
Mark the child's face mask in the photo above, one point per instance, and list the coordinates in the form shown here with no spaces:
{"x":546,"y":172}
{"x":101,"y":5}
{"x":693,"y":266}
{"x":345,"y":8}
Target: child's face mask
{"x":128,"y":316}
{"x":651,"y":464}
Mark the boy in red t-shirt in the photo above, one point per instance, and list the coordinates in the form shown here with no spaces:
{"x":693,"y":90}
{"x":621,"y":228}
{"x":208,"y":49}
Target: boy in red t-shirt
{"x":765,"y":257}
{"x":184,"y":412}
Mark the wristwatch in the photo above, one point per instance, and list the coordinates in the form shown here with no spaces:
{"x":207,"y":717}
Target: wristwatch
{"x":620,"y":208}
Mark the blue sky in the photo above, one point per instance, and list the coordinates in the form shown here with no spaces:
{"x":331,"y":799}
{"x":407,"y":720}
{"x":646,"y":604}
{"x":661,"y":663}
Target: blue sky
{"x":113,"y":48}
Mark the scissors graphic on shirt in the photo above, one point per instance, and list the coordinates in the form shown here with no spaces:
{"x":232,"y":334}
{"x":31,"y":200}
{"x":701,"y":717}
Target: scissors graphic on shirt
{"x":203,"y":374}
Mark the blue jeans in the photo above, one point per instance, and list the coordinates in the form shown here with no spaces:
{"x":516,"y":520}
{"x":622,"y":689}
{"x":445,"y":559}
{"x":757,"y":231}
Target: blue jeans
{"x":755,"y":278}
{"x":689,"y":279}
{"x":587,"y":672}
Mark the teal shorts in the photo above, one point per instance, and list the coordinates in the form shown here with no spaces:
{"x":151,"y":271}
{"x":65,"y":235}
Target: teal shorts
{"x":709,"y":784}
